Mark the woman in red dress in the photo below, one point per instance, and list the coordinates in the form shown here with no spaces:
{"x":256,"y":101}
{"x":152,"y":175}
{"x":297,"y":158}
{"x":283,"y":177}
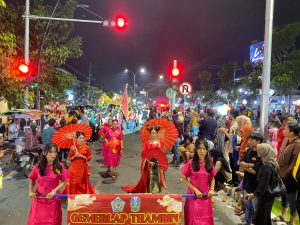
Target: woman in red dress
{"x":80,"y":155}
{"x":114,"y":140}
{"x":153,"y":178}
{"x":105,"y":149}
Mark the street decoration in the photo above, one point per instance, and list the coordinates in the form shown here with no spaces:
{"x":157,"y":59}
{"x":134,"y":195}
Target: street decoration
{"x":167,"y":132}
{"x":124,"y":209}
{"x":64,"y":137}
{"x":56,"y":107}
{"x":124,"y":105}
{"x":185,"y":88}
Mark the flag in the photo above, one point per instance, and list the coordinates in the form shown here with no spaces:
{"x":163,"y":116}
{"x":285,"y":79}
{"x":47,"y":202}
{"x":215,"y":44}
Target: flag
{"x":124,"y":105}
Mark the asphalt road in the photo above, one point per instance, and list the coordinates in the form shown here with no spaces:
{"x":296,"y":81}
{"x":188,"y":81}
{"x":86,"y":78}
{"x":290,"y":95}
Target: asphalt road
{"x":15,"y":203}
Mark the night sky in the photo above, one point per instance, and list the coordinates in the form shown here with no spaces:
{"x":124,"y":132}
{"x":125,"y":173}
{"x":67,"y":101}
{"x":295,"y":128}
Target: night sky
{"x":195,"y":32}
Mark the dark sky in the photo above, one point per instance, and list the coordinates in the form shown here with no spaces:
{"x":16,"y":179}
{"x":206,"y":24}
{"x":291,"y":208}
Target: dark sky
{"x":195,"y":32}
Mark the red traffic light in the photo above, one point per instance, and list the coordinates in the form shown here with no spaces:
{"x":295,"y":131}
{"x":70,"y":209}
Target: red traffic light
{"x":175,"y":72}
{"x":121,"y":23}
{"x":23,"y":68}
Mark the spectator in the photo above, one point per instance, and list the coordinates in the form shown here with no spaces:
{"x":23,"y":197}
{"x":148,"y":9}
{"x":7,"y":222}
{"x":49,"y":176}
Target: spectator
{"x":189,"y":149}
{"x":287,"y":160}
{"x":251,"y":164}
{"x":208,"y":127}
{"x":32,"y":138}
{"x":13,"y":132}
{"x":2,"y":128}
{"x":222,"y":167}
{"x":265,"y":177}
{"x":48,"y":133}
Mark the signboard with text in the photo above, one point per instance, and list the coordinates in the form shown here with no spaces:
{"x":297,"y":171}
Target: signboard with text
{"x":125,"y":209}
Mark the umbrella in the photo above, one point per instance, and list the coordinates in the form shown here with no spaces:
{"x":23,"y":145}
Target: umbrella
{"x":64,"y":137}
{"x":167,"y":133}
{"x":155,"y":153}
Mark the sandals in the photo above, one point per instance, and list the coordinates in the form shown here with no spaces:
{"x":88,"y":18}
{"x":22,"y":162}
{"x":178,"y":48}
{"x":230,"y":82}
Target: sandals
{"x":114,"y":177}
{"x":279,"y":219}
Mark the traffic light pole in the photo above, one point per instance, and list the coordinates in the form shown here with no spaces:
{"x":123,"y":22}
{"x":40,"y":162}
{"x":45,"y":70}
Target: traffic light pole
{"x":264,"y":115}
{"x":27,"y":17}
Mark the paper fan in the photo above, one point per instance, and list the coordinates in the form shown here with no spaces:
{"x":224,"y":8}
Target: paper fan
{"x":159,"y":156}
{"x":64,"y":137}
{"x":167,"y":133}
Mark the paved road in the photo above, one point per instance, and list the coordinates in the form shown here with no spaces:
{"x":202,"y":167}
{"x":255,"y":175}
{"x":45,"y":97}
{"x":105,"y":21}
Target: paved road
{"x":15,"y":204}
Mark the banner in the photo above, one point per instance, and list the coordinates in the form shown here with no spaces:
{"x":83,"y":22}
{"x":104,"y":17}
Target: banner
{"x":124,"y":105}
{"x":125,"y":209}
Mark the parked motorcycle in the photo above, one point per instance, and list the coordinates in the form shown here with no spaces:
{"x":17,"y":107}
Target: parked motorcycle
{"x":29,"y":159}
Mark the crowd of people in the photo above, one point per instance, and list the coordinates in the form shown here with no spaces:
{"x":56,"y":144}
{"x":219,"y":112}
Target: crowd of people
{"x":241,"y":158}
{"x":212,"y":151}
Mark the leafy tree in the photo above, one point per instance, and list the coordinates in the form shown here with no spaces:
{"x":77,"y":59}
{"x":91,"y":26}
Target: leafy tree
{"x":2,"y":3}
{"x":205,"y":79}
{"x":226,"y":75}
{"x":228,"y":85}
{"x":286,"y":59}
{"x":51,"y":46}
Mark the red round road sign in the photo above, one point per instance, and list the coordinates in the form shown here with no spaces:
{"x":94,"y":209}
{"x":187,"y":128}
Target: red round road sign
{"x":185,"y":88}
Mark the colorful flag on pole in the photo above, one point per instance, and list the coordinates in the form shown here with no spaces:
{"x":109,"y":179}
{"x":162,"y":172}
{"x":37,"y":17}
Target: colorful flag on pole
{"x":124,"y":105}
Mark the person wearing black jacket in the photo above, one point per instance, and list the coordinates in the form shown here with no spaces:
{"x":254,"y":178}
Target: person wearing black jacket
{"x":222,"y":167}
{"x":265,"y":177}
{"x":251,"y":164}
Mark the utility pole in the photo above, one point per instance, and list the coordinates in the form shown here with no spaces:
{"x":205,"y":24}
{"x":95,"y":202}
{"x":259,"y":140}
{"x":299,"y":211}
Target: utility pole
{"x":264,"y":110}
{"x":26,"y":50}
{"x":27,"y":17}
{"x":89,"y":79}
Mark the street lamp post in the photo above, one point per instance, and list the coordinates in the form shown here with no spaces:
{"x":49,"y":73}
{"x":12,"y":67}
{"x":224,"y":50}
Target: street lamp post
{"x":142,"y":70}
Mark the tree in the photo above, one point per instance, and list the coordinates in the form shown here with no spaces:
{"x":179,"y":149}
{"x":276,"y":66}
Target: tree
{"x":226,"y":75}
{"x":55,"y":44}
{"x":286,"y":59}
{"x":2,"y":3}
{"x":228,"y":85}
{"x":208,"y":88}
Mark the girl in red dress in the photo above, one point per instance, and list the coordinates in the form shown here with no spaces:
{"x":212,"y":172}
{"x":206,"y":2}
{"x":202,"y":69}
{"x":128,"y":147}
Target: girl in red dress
{"x":79,"y":171}
{"x":114,"y":140}
{"x":153,"y":178}
{"x":47,"y":174}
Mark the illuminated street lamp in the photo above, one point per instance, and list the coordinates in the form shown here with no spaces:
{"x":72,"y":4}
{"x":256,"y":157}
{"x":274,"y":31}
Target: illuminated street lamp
{"x":142,"y":70}
{"x":161,"y":77}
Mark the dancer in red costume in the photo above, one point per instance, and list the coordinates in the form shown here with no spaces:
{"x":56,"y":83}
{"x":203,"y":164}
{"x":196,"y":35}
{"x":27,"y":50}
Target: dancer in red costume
{"x":114,"y":140}
{"x":105,"y":149}
{"x":150,"y":181}
{"x":79,"y":171}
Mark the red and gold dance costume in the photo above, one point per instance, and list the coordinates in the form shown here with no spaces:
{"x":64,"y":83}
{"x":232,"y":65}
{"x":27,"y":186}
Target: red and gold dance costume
{"x":114,"y":137}
{"x":105,"y":153}
{"x":148,"y":183}
{"x":79,"y":171}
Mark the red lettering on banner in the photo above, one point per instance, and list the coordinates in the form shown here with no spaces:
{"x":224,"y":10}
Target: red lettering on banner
{"x":101,"y":211}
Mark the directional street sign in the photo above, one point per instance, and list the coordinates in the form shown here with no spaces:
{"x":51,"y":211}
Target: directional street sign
{"x":185,"y":88}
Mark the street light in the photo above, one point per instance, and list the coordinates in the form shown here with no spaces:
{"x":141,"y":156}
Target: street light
{"x":161,"y":77}
{"x":142,"y":70}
